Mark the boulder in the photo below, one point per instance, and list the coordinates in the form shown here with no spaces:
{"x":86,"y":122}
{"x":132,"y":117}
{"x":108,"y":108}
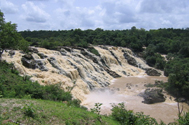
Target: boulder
{"x":103,"y":47}
{"x":42,"y":56}
{"x":130,"y":59}
{"x":11,"y":53}
{"x":152,"y":72}
{"x":29,"y":62}
{"x":89,"y":56}
{"x":40,"y":65}
{"x":153,"y":96}
{"x":33,"y":49}
{"x":28,"y":56}
{"x":54,"y":63}
{"x":112,"y":73}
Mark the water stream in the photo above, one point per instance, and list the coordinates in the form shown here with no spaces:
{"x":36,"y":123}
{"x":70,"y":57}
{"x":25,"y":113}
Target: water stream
{"x":127,"y":90}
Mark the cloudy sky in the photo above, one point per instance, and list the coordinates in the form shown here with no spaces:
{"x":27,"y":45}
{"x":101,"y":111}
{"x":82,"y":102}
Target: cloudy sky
{"x":92,"y":14}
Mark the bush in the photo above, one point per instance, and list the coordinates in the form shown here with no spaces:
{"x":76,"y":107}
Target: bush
{"x":123,"y":116}
{"x":94,"y":51}
{"x":127,"y":117}
{"x":29,"y":110}
{"x":14,"y":86}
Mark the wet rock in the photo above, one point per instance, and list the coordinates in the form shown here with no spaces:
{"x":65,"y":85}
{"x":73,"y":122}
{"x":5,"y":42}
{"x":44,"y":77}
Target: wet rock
{"x":181,"y":100}
{"x":128,"y":85}
{"x":130,"y":59}
{"x":33,"y":49}
{"x":89,"y":56}
{"x":68,"y":49}
{"x":124,"y":72}
{"x":112,"y":73}
{"x":29,"y":62}
{"x":11,"y":53}
{"x":42,"y":56}
{"x":54,"y":63}
{"x":28,"y":56}
{"x":63,"y":52}
{"x":103,"y":47}
{"x":153,"y":96}
{"x":115,"y":57}
{"x":40,"y":65}
{"x":152,"y":72}
{"x":100,"y":62}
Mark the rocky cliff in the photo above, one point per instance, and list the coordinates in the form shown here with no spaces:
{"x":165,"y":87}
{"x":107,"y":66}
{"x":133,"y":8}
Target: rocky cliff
{"x":77,"y":69}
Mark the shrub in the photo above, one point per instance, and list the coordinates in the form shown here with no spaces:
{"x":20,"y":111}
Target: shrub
{"x":29,"y":110}
{"x":94,"y":51}
{"x":14,"y":86}
{"x":127,"y":117}
{"x":123,"y":116}
{"x":97,"y":108}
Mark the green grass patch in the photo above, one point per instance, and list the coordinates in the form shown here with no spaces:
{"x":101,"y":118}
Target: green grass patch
{"x":44,"y":112}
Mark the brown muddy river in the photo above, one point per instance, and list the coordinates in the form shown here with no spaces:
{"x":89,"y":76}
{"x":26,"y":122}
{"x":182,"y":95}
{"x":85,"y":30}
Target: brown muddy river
{"x":127,"y":90}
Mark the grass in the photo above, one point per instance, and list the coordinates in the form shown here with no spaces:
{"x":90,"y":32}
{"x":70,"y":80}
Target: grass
{"x":46,"y":112}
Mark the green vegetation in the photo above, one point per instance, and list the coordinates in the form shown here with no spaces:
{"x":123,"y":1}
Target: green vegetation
{"x":14,"y":86}
{"x":128,"y":117}
{"x":43,"y":112}
{"x":184,"y":120}
{"x":178,"y":72}
{"x":94,"y":51}
{"x":9,"y":37}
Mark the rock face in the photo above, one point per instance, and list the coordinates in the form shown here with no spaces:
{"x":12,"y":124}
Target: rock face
{"x":152,"y":72}
{"x":43,"y":56}
{"x":29,"y":62}
{"x":153,"y":96}
{"x":112,"y":73}
{"x":130,"y":59}
{"x":33,"y":50}
{"x":11,"y":53}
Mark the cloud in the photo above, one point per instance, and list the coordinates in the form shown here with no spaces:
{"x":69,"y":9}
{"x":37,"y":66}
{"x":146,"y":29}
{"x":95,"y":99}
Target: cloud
{"x":65,"y":3}
{"x":162,"y":14}
{"x":118,"y":14}
{"x":34,"y":13}
{"x":105,"y":14}
{"x":75,"y":17}
{"x":37,"y":0}
{"x":163,"y":6}
{"x":8,"y":7}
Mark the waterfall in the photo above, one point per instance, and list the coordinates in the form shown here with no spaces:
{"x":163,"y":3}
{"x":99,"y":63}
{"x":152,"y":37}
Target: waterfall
{"x":77,"y":67}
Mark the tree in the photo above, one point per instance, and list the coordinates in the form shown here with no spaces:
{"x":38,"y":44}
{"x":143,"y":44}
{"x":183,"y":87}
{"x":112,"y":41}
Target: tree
{"x":1,"y":27}
{"x":8,"y":35}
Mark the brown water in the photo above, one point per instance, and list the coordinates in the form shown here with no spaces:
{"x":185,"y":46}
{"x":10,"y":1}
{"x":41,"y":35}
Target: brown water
{"x":127,"y":90}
